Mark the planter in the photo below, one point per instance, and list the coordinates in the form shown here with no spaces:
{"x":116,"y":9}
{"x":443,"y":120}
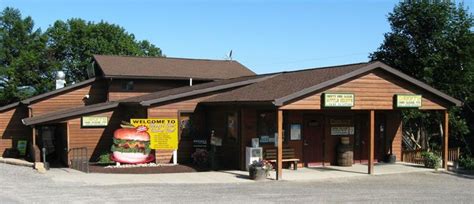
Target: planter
{"x":257,"y":173}
{"x":390,"y":158}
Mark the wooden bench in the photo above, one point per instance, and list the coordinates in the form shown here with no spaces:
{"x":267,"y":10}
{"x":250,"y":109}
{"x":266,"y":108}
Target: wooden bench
{"x":288,"y":156}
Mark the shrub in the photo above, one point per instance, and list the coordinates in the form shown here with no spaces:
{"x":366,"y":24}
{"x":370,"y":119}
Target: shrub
{"x":467,"y":163}
{"x":104,"y":158}
{"x":201,"y":157}
{"x":431,"y":160}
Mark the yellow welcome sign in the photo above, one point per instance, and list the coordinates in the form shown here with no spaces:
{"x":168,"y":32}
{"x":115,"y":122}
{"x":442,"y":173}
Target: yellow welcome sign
{"x":163,"y":132}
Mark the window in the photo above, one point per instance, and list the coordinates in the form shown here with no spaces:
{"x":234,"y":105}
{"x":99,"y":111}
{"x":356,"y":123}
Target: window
{"x":266,"y":126}
{"x":127,"y":85}
{"x":232,"y":125}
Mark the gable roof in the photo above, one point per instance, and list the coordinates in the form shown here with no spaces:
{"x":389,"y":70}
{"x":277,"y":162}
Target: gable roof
{"x":291,"y":85}
{"x":169,"y":68}
{"x":284,"y":84}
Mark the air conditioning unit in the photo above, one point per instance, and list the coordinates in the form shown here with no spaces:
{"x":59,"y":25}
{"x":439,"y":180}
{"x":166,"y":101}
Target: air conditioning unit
{"x":253,"y":154}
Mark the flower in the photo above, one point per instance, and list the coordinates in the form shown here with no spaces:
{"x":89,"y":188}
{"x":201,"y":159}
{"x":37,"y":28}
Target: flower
{"x":263,"y":164}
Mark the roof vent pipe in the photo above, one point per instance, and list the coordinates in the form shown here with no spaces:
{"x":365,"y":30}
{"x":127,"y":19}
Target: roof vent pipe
{"x":60,"y":79}
{"x":190,"y":81}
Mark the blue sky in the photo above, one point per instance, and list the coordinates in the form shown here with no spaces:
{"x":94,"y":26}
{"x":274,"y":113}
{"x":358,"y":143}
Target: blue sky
{"x":266,"y":36}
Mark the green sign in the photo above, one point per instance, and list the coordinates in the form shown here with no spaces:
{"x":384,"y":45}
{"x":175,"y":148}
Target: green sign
{"x":94,"y":121}
{"x":408,"y":101}
{"x":21,"y":146}
{"x":338,"y":100}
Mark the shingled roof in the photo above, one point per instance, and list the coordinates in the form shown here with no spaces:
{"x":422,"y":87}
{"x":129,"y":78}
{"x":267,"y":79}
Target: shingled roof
{"x":149,"y":99}
{"x":188,"y":91}
{"x":169,"y":68}
{"x":291,"y":85}
{"x":284,"y":84}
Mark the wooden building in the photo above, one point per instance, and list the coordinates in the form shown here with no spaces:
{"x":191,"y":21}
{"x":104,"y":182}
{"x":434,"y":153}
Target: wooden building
{"x":307,"y":111}
{"x":113,"y":78}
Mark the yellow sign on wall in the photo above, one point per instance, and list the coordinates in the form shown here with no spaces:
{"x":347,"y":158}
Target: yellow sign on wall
{"x":94,"y":121}
{"x":338,"y":100}
{"x":408,"y":101}
{"x":163,"y":132}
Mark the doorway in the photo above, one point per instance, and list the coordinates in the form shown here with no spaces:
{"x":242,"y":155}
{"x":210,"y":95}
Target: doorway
{"x":53,"y":142}
{"x":313,"y":145}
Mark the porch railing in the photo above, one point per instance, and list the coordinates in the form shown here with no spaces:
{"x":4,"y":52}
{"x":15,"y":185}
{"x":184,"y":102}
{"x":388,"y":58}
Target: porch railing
{"x":414,"y":156}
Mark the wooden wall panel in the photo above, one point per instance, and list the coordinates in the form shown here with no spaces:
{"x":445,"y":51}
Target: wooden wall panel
{"x":141,"y":87}
{"x":73,"y":98}
{"x":374,"y":90}
{"x":99,"y":140}
{"x":12,"y":129}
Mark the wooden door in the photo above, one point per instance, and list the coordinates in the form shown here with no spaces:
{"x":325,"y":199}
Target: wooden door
{"x":186,"y":132}
{"x":381,"y":147}
{"x":313,"y":146}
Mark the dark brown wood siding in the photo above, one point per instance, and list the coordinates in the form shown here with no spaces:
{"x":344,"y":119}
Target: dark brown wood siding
{"x":374,"y":91}
{"x":73,"y":98}
{"x":12,"y":129}
{"x":142,"y":86}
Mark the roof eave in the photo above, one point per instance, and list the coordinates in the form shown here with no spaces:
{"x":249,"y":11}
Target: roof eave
{"x":32,"y":121}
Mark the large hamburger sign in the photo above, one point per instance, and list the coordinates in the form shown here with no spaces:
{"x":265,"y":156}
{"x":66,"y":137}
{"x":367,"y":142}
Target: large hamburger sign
{"x":134,"y":142}
{"x":132,"y":145}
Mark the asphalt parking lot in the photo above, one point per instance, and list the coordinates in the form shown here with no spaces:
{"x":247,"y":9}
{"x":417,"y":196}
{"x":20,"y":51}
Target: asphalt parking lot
{"x":24,"y":185}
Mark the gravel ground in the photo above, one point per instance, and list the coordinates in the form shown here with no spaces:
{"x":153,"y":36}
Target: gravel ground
{"x":24,"y":185}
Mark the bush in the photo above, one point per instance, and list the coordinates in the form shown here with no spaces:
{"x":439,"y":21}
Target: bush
{"x":201,"y":157}
{"x":467,"y":163}
{"x":104,"y":158}
{"x":431,"y":160}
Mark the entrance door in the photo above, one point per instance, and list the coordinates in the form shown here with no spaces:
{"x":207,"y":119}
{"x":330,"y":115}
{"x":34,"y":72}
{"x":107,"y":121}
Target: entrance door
{"x":313,"y":146}
{"x":186,"y":132}
{"x":54,"y":141}
{"x":381,"y":146}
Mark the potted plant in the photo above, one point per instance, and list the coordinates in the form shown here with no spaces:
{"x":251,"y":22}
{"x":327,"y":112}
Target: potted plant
{"x":201,"y":158}
{"x":431,"y":160}
{"x":259,"y":170}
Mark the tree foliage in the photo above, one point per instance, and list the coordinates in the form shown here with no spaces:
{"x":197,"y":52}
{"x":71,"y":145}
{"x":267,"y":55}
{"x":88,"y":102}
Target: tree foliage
{"x":75,"y":41}
{"x":24,"y":61}
{"x":29,"y":58}
{"x":433,"y":41}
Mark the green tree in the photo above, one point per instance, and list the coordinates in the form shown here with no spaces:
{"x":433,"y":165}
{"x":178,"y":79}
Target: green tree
{"x":432,"y":41}
{"x":72,"y":43}
{"x":24,"y":64}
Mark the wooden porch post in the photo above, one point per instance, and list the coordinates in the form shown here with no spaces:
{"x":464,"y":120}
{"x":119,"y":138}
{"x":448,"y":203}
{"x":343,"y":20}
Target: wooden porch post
{"x":445,"y":139}
{"x":280,"y":145}
{"x":371,"y":142}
